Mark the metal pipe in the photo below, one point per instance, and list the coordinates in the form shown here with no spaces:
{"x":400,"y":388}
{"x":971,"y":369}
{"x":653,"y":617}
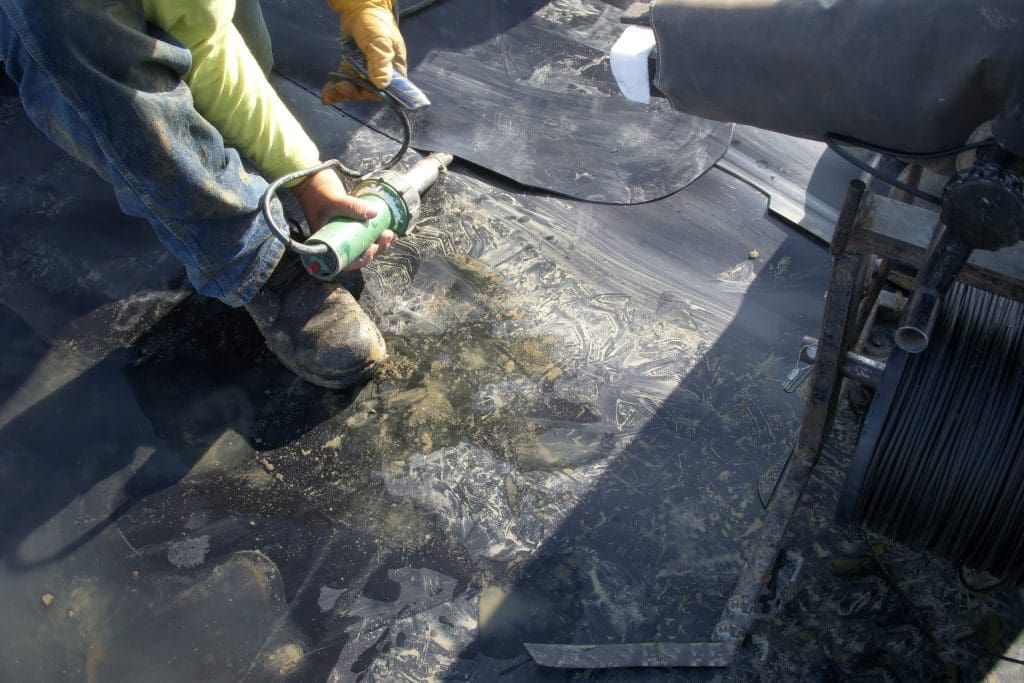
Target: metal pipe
{"x":862,"y":369}
{"x":945,"y":257}
{"x":853,"y":366}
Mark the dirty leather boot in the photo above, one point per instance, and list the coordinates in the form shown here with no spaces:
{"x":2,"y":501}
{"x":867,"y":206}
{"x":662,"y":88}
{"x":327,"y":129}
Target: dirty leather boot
{"x":315,"y":328}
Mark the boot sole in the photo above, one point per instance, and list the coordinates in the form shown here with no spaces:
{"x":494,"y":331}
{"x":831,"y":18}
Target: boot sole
{"x":344,"y":381}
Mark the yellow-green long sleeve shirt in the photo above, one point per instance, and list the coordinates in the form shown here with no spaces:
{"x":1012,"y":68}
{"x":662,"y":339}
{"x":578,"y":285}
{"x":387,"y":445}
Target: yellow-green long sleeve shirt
{"x":230,"y":90}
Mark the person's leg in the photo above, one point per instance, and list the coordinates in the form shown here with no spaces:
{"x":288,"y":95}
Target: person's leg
{"x":109,"y":90}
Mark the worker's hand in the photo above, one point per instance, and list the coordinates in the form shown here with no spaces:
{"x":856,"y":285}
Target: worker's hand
{"x":322,"y":197}
{"x":371,"y":24}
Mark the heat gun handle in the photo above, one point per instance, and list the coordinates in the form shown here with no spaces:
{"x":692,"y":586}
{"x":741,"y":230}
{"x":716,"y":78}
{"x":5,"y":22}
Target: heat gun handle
{"x":346,"y":240}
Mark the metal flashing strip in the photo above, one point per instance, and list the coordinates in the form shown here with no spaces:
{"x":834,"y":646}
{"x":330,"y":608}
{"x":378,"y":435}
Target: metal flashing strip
{"x":803,"y":180}
{"x":523,"y":90}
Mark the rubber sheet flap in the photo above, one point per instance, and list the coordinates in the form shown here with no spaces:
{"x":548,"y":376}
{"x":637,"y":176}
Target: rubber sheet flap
{"x":523,"y":89}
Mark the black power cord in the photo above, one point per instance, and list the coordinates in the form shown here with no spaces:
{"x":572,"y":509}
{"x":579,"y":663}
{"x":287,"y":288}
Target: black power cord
{"x":837,"y":143}
{"x":392,"y":103}
{"x":840,"y":139}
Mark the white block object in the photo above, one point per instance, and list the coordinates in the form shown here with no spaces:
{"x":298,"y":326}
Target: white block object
{"x":629,"y":63}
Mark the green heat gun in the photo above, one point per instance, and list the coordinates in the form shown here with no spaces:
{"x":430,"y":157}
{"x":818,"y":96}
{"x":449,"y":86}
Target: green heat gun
{"x":396,"y":196}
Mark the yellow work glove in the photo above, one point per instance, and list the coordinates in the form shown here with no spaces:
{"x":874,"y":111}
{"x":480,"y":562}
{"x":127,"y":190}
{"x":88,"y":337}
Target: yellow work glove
{"x":371,"y":24}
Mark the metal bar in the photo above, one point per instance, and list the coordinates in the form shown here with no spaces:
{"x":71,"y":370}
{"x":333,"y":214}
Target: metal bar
{"x":870,"y":304}
{"x":840,"y":310}
{"x":855,"y":366}
{"x":913,"y":178}
{"x":901,"y":233}
{"x":847,"y":217}
{"x":974,"y":274}
{"x":862,"y":369}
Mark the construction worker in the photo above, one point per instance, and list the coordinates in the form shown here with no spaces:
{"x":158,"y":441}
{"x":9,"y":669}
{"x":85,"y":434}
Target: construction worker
{"x":166,"y":101}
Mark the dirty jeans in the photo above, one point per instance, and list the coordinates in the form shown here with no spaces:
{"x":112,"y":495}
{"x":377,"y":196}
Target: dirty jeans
{"x":107,"y":87}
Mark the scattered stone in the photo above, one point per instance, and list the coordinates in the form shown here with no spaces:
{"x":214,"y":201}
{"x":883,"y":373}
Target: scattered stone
{"x":328,"y":598}
{"x":188,"y":552}
{"x":285,"y":660}
{"x":47,"y":599}
{"x":71,"y":614}
{"x":135,"y":574}
{"x":754,"y":253}
{"x":279,"y":476}
{"x":511,"y":490}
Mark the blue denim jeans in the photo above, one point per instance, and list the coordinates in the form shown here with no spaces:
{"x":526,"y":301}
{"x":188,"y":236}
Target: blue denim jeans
{"x":107,"y":87}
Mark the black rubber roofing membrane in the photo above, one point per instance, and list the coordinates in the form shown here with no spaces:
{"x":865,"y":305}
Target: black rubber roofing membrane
{"x":563,"y":445}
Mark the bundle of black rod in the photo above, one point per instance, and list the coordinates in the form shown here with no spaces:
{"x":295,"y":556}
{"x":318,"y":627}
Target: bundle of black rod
{"x":940,"y":461}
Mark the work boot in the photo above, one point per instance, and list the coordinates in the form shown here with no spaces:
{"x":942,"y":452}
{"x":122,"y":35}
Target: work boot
{"x":316,"y":328}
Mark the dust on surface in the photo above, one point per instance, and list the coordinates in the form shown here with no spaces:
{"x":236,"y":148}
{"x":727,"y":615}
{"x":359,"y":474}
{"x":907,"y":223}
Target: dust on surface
{"x":512,"y":389}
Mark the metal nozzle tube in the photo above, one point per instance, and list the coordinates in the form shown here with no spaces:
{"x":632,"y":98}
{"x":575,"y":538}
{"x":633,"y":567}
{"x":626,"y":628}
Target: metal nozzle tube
{"x":424,"y":173}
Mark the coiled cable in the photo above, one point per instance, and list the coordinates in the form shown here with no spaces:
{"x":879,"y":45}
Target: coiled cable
{"x":944,"y":447}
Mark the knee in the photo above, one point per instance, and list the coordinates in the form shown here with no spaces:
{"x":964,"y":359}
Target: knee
{"x":79,"y":40}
